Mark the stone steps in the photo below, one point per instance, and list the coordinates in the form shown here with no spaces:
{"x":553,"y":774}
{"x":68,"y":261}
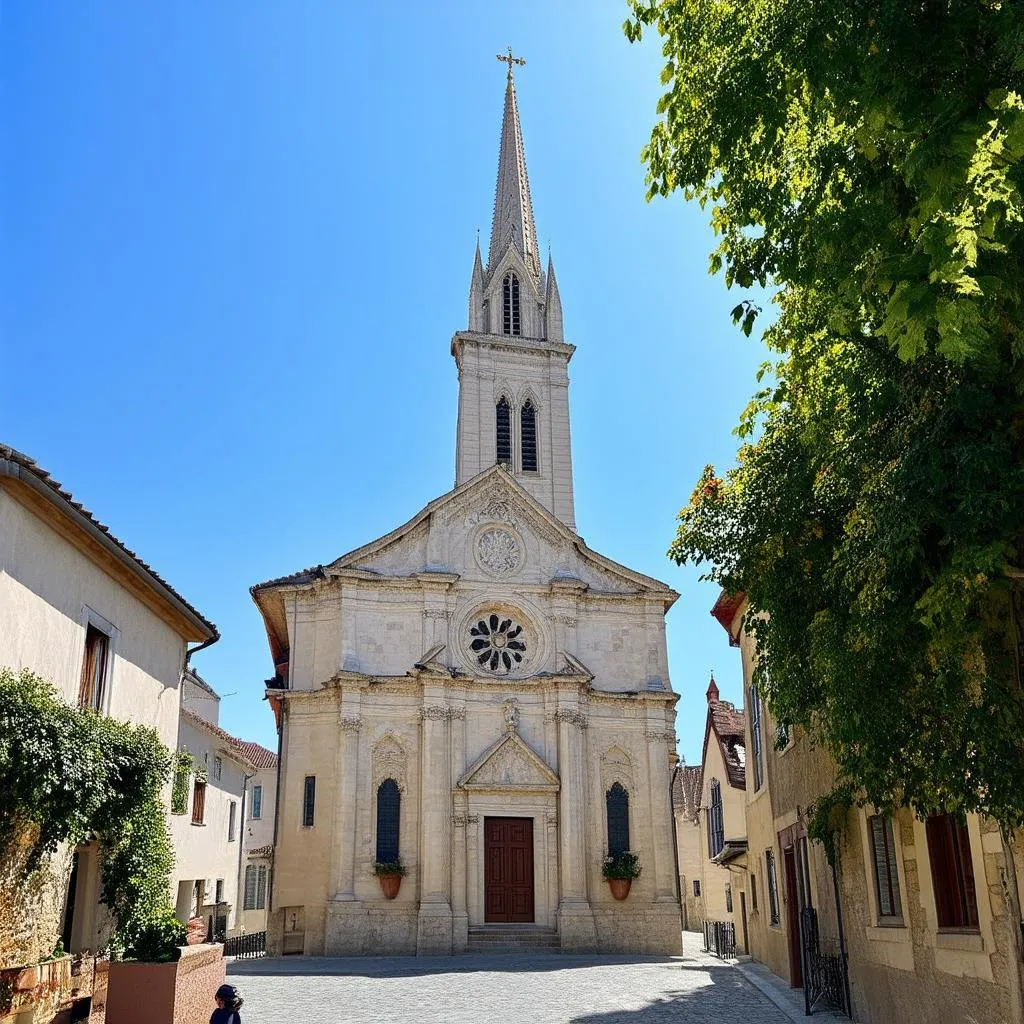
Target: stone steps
{"x":512,"y":939}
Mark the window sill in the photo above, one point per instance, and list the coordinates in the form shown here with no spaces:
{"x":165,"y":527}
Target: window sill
{"x":199,"y":824}
{"x":968,"y":942}
{"x":888,"y":932}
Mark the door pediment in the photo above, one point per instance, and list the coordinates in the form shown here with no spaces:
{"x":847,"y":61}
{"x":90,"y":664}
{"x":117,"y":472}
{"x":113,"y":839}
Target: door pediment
{"x":510,"y":764}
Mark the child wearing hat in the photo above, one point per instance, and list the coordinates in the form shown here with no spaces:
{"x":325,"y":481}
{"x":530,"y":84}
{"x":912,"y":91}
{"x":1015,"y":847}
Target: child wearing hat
{"x":229,"y":1002}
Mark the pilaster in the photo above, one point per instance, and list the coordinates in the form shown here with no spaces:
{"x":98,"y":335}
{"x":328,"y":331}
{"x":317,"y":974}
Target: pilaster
{"x":434,"y":932}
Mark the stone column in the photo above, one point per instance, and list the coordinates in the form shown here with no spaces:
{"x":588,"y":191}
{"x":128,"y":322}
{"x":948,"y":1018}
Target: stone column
{"x":434,"y":933}
{"x":661,"y":812}
{"x":460,"y":917}
{"x":575,"y":917}
{"x":341,"y":937}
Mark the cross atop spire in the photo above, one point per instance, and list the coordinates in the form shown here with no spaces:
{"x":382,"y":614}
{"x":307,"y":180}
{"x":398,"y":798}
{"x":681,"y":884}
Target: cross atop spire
{"x":510,"y":60}
{"x":513,"y":209}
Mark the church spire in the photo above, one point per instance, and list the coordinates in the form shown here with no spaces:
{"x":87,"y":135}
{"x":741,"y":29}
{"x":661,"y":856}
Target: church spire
{"x":513,"y":209}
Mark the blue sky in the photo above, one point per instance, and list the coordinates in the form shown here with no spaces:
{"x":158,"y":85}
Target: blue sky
{"x":238,"y":239}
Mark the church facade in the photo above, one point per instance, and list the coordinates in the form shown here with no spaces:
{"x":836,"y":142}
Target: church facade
{"x":478,"y":695}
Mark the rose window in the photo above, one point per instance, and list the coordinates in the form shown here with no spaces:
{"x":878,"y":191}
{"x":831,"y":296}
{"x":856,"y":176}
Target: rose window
{"x":497,"y":643}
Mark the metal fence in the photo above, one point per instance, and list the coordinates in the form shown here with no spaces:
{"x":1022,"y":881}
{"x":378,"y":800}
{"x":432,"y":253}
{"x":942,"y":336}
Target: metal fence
{"x":251,"y":945}
{"x":720,"y":938}
{"x":826,"y":978}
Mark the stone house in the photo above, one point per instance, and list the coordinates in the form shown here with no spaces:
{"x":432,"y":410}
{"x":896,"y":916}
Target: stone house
{"x":258,"y":842}
{"x":919,"y":908}
{"x":80,"y":609}
{"x":478,"y":693}
{"x":687,"y":785}
{"x":723,"y":834}
{"x":208,"y":832}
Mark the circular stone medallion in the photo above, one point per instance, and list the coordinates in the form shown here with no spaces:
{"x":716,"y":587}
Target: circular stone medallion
{"x":499,"y":552}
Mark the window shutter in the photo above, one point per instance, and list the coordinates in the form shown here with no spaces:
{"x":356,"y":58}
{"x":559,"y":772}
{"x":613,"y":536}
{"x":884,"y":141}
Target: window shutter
{"x":389,"y":808}
{"x":617,"y":806}
{"x":249,"y":902}
{"x":949,"y":854}
{"x":261,"y":888}
{"x":198,"y":802}
{"x":257,"y":802}
{"x":755,"y":736}
{"x":883,"y":853}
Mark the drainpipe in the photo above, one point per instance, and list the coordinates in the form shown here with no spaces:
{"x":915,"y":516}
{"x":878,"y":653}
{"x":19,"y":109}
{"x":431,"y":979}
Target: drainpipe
{"x":277,"y":810}
{"x":239,"y":892}
{"x":189,"y":651}
{"x":842,"y":937}
{"x":675,"y":844}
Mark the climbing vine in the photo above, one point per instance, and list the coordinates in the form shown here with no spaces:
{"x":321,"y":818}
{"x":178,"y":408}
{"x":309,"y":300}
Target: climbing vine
{"x":181,"y":770}
{"x":67,"y":774}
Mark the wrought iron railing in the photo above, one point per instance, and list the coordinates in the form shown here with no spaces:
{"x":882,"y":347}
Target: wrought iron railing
{"x":250,"y":945}
{"x":720,"y":938}
{"x":826,"y":977}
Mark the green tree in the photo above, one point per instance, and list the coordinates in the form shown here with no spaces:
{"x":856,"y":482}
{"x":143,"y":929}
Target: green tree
{"x":864,"y":160}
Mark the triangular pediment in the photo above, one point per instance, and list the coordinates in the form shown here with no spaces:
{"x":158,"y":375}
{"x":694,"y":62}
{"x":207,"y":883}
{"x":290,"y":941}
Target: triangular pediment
{"x":510,"y":764}
{"x":494,"y":495}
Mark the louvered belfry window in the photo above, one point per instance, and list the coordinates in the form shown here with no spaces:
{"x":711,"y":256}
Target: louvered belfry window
{"x":883,"y":853}
{"x":503,"y":431}
{"x":511,"y":322}
{"x":617,"y":805}
{"x":528,"y":435}
{"x":389,"y":806}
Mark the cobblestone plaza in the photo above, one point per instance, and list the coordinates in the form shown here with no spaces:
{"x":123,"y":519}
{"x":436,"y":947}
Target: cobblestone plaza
{"x":539,"y":989}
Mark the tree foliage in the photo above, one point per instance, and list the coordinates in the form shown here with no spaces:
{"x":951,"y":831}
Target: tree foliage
{"x":67,"y":774}
{"x":865,"y":159}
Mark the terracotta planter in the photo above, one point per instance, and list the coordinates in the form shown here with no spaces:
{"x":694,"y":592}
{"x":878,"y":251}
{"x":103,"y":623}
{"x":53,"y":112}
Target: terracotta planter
{"x":390,"y":884}
{"x":172,"y":993}
{"x":620,"y":887}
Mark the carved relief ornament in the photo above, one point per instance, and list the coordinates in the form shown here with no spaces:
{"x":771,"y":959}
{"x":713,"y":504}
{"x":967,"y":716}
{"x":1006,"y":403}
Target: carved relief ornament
{"x":572,"y":716}
{"x":350,"y":723}
{"x":389,"y":761}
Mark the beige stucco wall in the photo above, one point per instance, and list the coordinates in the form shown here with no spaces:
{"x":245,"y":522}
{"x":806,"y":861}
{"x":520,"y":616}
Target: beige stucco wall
{"x":205,"y":851}
{"x":260,"y":831}
{"x":48,"y":589}
{"x":714,"y":877}
{"x":49,"y":592}
{"x":688,"y":840}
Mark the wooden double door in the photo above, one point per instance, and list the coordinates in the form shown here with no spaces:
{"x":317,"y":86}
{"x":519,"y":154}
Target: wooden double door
{"x":508,"y":870}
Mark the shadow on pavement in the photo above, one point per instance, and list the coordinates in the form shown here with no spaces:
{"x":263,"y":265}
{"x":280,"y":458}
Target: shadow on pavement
{"x":416,"y":966}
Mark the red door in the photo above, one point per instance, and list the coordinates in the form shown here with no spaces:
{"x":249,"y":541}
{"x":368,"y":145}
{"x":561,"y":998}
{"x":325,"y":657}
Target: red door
{"x":508,"y":870}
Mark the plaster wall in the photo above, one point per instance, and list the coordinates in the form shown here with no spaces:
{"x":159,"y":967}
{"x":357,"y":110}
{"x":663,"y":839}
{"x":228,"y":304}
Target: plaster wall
{"x":260,"y":831}
{"x":48,"y":590}
{"x":205,"y":851}
{"x":688,"y":839}
{"x":714,"y":877}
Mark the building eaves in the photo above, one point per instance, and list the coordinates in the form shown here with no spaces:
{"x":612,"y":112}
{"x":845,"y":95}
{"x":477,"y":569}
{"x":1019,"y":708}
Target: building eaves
{"x":18,"y":466}
{"x":239,"y":749}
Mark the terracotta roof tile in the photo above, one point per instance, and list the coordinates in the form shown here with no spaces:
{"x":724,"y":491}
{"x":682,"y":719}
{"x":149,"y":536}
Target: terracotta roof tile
{"x":260,"y":851}
{"x":255,"y":754}
{"x":728,"y":725}
{"x":686,"y":790}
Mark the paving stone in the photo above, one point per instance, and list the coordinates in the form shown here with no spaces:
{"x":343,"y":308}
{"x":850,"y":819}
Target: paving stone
{"x":541,"y":988}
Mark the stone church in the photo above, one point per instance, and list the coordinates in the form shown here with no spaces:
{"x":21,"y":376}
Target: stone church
{"x":478,"y":694}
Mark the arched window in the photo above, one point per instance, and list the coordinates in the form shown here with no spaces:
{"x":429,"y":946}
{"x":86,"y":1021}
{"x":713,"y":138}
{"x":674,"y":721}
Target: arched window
{"x":617,"y":804}
{"x":528,"y":435}
{"x":503,"y":431}
{"x":716,"y":823}
{"x":389,"y":805}
{"x":511,"y":323}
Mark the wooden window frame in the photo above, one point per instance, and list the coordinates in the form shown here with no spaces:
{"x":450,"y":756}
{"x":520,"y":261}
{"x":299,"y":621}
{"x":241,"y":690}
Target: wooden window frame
{"x":262,"y":880}
{"x":256,"y":809}
{"x":309,"y":801}
{"x":92,"y":687}
{"x":232,"y":820}
{"x":198,"y":802}
{"x":882,"y":849}
{"x":753,"y":892}
{"x":249,"y":889}
{"x":952,"y":867}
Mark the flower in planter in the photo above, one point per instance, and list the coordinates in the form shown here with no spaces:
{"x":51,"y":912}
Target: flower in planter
{"x":389,"y":867}
{"x":623,"y":865}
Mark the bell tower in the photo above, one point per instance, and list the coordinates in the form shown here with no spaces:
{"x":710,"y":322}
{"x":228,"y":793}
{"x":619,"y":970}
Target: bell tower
{"x":513,"y":360}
